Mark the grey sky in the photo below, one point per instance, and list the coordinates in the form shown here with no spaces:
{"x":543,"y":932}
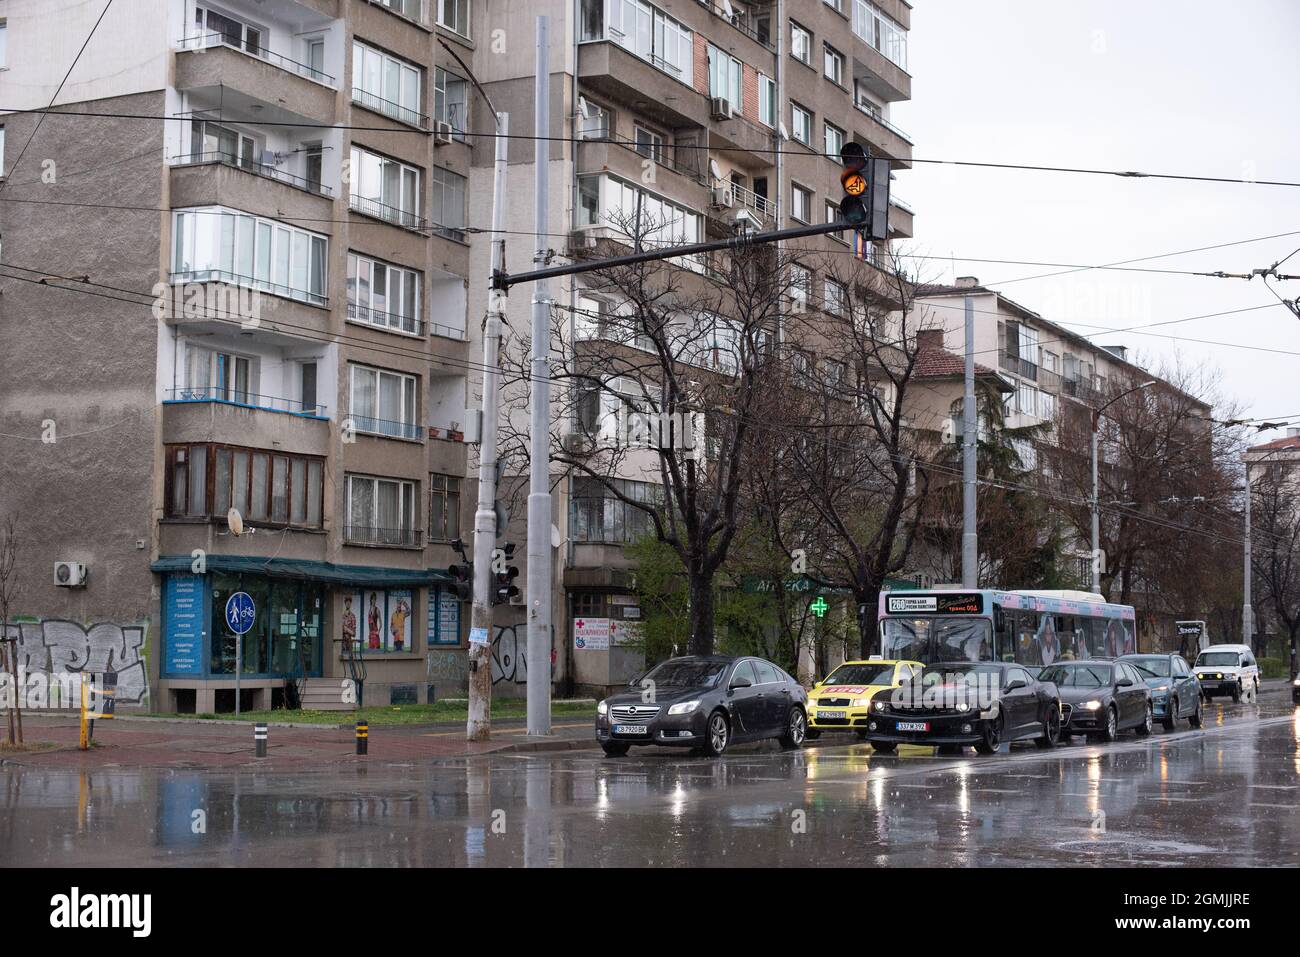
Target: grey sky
{"x":1188,"y":87}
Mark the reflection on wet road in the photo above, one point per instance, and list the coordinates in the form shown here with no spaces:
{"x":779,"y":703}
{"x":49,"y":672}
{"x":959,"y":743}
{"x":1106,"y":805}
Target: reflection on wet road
{"x":1227,"y":795}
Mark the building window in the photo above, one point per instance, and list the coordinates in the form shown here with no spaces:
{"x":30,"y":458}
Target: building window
{"x":644,"y":30}
{"x":833,"y":64}
{"x":380,"y":511}
{"x":834,"y":141}
{"x":800,"y":124}
{"x":448,"y":203}
{"x":801,"y":203}
{"x":802,"y":365}
{"x":800,"y":43}
{"x":385,"y":188}
{"x":224,"y":376}
{"x":267,"y":488}
{"x":835,"y":297}
{"x":606,"y":200}
{"x":228,"y":31}
{"x":800,"y":287}
{"x":407,"y":8}
{"x":649,"y":143}
{"x":4,"y":43}
{"x":383,"y":403}
{"x":2,"y":151}
{"x":767,"y":111}
{"x":597,"y":515}
{"x":593,"y":120}
{"x":381,"y":294}
{"x":724,"y":77}
{"x":444,"y":508}
{"x":387,"y":85}
{"x":833,"y":215}
{"x":880,"y":32}
{"x":454,"y":15}
{"x":451,"y":101}
{"x":221,"y":245}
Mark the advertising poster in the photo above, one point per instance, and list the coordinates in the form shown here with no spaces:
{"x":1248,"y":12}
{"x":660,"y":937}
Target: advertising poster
{"x":351,"y":614}
{"x":591,"y":634}
{"x":373,"y":619}
{"x":399,"y":621}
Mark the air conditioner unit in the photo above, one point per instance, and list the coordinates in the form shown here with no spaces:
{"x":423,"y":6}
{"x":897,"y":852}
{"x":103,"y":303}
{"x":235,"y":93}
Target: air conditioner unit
{"x":722,"y":197}
{"x":70,"y":574}
{"x":576,"y":443}
{"x":442,"y":133}
{"x":580,"y":239}
{"x":720,"y":108}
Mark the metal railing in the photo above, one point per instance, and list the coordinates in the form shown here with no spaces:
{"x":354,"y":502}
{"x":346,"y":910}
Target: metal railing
{"x":248,"y":400}
{"x":1021,"y":367}
{"x":370,"y":535}
{"x":384,"y":320}
{"x":1049,"y":381}
{"x":391,"y":214}
{"x":741,"y":22}
{"x":209,"y":40}
{"x":256,"y":168}
{"x":403,"y":114}
{"x":417,"y":10}
{"x":747,"y":197}
{"x":898,"y":201}
{"x":446,"y":332}
{"x":1078,"y":389}
{"x":248,"y":282}
{"x":897,"y":131}
{"x":387,"y":427}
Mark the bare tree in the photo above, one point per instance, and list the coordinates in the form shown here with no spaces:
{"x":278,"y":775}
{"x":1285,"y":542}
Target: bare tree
{"x":10,"y":590}
{"x":663,"y":372}
{"x":1275,"y":545}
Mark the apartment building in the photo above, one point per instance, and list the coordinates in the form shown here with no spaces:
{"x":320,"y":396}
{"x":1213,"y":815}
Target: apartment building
{"x":709,"y":117}
{"x":234,"y":299}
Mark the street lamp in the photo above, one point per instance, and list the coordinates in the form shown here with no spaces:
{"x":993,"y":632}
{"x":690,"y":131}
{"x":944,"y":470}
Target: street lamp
{"x":1096,"y":518}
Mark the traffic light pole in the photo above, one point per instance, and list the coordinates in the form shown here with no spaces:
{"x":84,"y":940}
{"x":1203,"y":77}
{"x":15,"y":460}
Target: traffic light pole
{"x":478,"y":727}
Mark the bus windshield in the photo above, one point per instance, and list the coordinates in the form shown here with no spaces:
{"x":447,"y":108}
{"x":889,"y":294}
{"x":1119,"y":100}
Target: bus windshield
{"x":938,"y":639}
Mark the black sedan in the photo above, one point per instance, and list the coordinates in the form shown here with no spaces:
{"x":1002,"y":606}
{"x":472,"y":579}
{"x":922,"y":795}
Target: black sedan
{"x":985,"y":704}
{"x":704,"y":703}
{"x":1100,"y":698}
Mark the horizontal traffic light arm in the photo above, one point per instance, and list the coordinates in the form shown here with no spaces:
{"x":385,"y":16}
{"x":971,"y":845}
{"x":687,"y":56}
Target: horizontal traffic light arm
{"x":503,"y":280}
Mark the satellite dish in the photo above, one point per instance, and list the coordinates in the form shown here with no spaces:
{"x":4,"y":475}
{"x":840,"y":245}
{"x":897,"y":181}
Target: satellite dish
{"x":584,"y":108}
{"x":785,"y":134}
{"x":235,"y":521}
{"x":715,"y":169}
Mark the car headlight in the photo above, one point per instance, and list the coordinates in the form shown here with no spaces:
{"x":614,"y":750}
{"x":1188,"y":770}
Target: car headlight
{"x":684,"y":707}
{"x":963,"y":706}
{"x":602,"y":708}
{"x":1160,"y":689}
{"x":1296,"y":682}
{"x":879,"y":706}
{"x":860,"y":702}
{"x":1092,"y":705}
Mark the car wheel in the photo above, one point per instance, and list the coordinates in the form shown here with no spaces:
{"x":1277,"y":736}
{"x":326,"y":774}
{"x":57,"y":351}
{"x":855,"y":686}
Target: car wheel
{"x":1051,"y":729}
{"x":1195,"y":719}
{"x":1171,"y":715}
{"x":796,"y":726}
{"x":992,"y":737}
{"x":884,"y":747}
{"x":614,"y":749}
{"x":812,"y":734}
{"x":717,"y":734}
{"x":1236,"y":693}
{"x":1111,"y":731}
{"x":1148,"y":722}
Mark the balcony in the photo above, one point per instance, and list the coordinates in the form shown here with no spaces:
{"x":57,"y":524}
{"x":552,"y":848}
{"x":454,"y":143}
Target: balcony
{"x":209,"y":40}
{"x":404,"y":218}
{"x":389,"y":428}
{"x":265,"y":170}
{"x":286,"y":90}
{"x":680,"y":182}
{"x":1015,"y":364}
{"x":1080,"y":390}
{"x":383,"y":537}
{"x":198,"y":415}
{"x":1049,"y":381}
{"x":247,"y":400}
{"x":900,"y":219}
{"x":395,"y":111}
{"x":226,"y":278}
{"x":885,"y":137}
{"x":873,"y":70}
{"x":387,"y":321}
{"x":744,"y":196}
{"x":608,"y":69}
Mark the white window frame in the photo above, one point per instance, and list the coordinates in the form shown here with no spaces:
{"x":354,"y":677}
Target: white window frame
{"x":801,"y":203}
{"x":649,"y":143}
{"x":453,"y":15}
{"x":443,"y":111}
{"x":377,"y":422}
{"x":830,"y":56}
{"x":801,"y":121}
{"x":406,"y":318}
{"x":265,"y":254}
{"x":406,"y":499}
{"x":801,"y":41}
{"x":407,"y":212}
{"x":403,"y":103}
{"x":726,"y":78}
{"x":767,"y":109}
{"x":832,"y":139}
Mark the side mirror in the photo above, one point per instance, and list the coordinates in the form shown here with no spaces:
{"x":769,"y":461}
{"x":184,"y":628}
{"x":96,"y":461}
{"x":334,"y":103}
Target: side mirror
{"x":741,"y":682}
{"x":1124,"y":683}
{"x":1015,"y":684}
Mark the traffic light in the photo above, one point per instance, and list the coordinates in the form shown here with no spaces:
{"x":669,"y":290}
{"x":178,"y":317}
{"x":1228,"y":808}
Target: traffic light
{"x":462,"y":580}
{"x":865,"y":205}
{"x":503,"y":577}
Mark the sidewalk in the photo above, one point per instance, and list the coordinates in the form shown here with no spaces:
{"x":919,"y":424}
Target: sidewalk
{"x":187,"y":743}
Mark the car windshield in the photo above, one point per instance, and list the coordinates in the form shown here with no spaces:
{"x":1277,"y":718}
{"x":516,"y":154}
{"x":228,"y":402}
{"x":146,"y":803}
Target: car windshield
{"x":860,"y":675}
{"x":1151,"y":667}
{"x":938,"y":639}
{"x":1218,"y":659}
{"x":967,"y":673}
{"x":1077,"y":676}
{"x":684,"y":673}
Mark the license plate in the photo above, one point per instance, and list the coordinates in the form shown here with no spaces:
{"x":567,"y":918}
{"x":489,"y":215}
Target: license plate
{"x":830,"y":714}
{"x":914,"y":726}
{"x":631,"y":729}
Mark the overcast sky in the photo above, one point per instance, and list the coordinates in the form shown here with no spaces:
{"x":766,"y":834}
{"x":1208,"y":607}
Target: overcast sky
{"x":1184,"y":87}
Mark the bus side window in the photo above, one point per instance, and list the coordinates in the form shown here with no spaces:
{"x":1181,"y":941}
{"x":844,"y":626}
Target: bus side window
{"x":1097,"y":638}
{"x":1028,"y":625}
{"x":1067,"y":636}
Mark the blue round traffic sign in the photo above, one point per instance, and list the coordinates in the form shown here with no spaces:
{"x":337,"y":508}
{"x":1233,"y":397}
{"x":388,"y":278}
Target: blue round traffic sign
{"x":240,"y":612}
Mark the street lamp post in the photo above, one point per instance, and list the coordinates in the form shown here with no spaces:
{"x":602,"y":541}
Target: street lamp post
{"x":1096,"y":516}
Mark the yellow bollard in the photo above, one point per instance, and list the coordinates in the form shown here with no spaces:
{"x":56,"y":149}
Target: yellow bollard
{"x":85,"y":733}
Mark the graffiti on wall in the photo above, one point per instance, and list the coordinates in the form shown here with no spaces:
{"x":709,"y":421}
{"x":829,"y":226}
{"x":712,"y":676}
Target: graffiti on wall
{"x":509,"y":661}
{"x":447,"y":666}
{"x":57,"y":646}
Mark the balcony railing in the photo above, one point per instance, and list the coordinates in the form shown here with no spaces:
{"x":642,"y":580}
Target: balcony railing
{"x":390,"y":321}
{"x":897,"y":131}
{"x":395,"y":537}
{"x":1078,"y":389}
{"x":390,"y":214}
{"x":898,"y":201}
{"x":261,"y":285}
{"x":1021,"y":367}
{"x":417,"y":10}
{"x":742,"y":22}
{"x":387,"y":427}
{"x":247,"y":400}
{"x":403,"y":114}
{"x":1049,"y":381}
{"x":209,"y":40}
{"x":759,"y":204}
{"x":256,"y":168}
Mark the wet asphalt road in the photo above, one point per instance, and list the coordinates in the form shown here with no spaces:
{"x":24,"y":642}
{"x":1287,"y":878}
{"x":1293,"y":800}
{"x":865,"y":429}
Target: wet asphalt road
{"x":1224,"y":796}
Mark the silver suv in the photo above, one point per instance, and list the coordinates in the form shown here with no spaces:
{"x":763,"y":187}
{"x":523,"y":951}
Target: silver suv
{"x":1227,"y":669}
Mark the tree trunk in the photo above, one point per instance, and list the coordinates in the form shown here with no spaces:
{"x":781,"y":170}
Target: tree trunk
{"x":701,"y":614}
{"x":868,"y":629}
{"x":13,"y":685}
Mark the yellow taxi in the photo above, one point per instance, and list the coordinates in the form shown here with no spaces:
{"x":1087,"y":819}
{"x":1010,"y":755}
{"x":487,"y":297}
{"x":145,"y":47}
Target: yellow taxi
{"x":841,"y":701}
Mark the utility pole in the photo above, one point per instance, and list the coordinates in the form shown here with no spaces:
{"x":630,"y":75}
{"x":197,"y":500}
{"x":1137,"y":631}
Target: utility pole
{"x":1247,"y":613}
{"x":970,"y":533}
{"x":478,"y":727}
{"x":539,"y":472}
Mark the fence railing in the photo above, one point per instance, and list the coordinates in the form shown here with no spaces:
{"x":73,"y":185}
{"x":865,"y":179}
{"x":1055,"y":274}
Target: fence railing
{"x":370,"y":535}
{"x":1021,"y":367}
{"x":248,"y":282}
{"x":209,"y":40}
{"x":389,"y":427}
{"x":257,"y":168}
{"x":391,"y":214}
{"x":251,"y":400}
{"x":398,"y":112}
{"x":385,"y":320}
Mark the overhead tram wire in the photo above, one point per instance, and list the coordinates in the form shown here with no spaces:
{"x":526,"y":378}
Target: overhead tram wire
{"x":805,"y":152}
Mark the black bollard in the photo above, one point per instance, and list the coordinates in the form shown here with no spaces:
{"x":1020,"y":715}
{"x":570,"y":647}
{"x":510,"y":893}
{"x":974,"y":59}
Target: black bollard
{"x":363,"y":737}
{"x":259,"y":737}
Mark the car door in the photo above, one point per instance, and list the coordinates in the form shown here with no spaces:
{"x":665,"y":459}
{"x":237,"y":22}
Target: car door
{"x":775,"y":697}
{"x":1132,"y":698}
{"x":1185,"y":686}
{"x":1018,"y":702}
{"x":746,"y":703}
